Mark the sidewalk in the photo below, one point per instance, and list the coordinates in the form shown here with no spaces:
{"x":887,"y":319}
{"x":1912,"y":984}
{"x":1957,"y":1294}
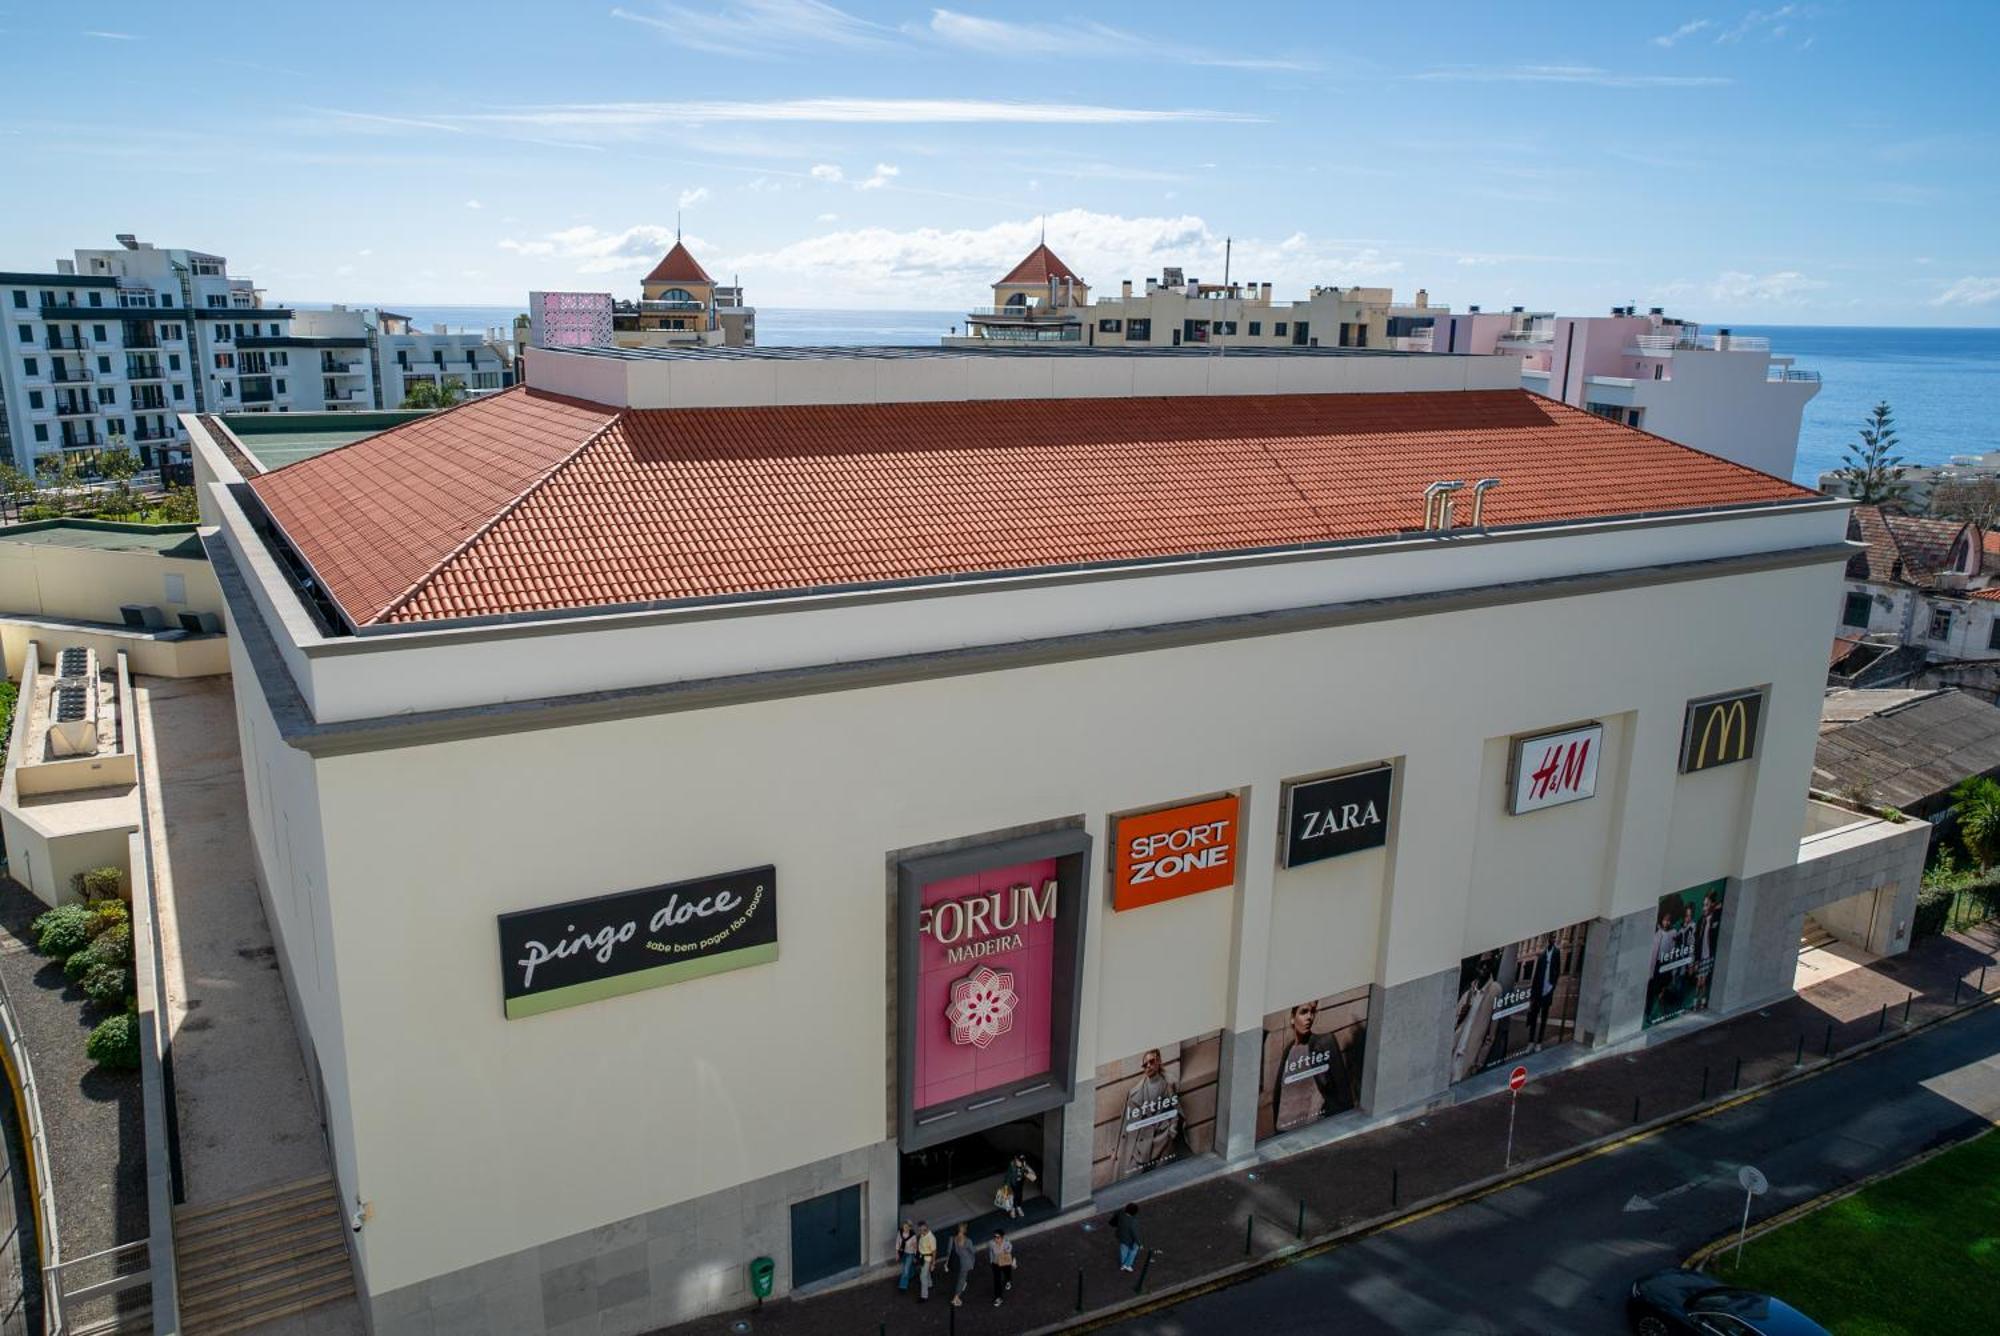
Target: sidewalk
{"x":1199,"y":1230}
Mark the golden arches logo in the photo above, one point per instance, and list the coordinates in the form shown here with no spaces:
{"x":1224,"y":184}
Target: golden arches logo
{"x":1726,"y":725}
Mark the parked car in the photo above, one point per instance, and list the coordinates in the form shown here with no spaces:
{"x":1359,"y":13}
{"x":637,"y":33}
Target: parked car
{"x":1674,"y":1300}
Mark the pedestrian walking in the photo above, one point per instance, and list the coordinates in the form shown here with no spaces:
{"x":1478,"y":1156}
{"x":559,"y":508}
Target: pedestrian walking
{"x":1126,"y":1222}
{"x":906,"y":1254}
{"x":1019,"y":1174}
{"x":926,"y":1261}
{"x":963,"y":1259}
{"x":1000,"y":1255}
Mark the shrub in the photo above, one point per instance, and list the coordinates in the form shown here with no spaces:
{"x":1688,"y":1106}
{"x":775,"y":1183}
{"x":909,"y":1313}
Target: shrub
{"x":115,"y":1042}
{"x":108,"y":914}
{"x":1894,"y":814}
{"x":100,"y":883}
{"x":107,"y":983}
{"x":62,"y":931}
{"x":40,"y":512}
{"x":112,"y":947}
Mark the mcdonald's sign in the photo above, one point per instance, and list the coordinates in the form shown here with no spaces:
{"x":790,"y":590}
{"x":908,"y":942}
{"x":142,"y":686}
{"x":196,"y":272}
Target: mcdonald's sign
{"x":1720,"y":730}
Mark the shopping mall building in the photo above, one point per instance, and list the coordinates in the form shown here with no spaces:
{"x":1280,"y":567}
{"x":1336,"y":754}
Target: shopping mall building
{"x":712,"y":804}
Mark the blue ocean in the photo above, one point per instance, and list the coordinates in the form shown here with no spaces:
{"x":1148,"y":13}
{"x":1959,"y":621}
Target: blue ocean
{"x":1941,"y":383}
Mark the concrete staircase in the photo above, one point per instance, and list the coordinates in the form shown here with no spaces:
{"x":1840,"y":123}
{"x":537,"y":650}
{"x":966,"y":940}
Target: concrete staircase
{"x":261,"y":1256}
{"x":1813,"y":936}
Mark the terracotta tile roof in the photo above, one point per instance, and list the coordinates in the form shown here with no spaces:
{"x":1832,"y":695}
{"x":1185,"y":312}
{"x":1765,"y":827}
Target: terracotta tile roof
{"x":1041,"y":265}
{"x":1902,"y":549}
{"x":678,"y":266}
{"x":520,"y":503}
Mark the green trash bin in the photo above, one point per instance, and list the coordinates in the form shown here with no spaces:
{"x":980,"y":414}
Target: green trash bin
{"x":763,"y":1271}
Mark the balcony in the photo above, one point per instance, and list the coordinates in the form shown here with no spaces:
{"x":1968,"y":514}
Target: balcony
{"x":61,"y":373}
{"x":1047,"y":333}
{"x":149,"y":401}
{"x":83,"y":437}
{"x":73,"y":311}
{"x":1781,"y":374}
{"x":256,"y":394}
{"x":677,"y":307}
{"x":330,"y":366}
{"x":74,"y":407}
{"x":138,"y":336}
{"x":135,"y":370}
{"x":59,"y":342}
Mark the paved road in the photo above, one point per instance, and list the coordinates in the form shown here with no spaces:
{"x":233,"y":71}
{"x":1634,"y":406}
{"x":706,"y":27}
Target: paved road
{"x":1556,"y":1254}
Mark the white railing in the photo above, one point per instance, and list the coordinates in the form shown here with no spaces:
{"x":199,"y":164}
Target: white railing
{"x":1783,"y":373}
{"x":1736,"y":343}
{"x":1658,"y":343}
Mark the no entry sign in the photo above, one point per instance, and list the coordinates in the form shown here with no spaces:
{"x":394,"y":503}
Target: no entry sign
{"x":1517,"y":1078}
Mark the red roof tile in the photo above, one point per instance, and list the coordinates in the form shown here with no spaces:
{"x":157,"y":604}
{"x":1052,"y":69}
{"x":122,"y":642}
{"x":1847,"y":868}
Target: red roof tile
{"x":1041,"y":265}
{"x":678,"y":266}
{"x":526,"y":502}
{"x":1902,"y":549}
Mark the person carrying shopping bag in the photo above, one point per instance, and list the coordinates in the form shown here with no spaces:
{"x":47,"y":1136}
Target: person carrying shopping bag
{"x":1000,"y":1254}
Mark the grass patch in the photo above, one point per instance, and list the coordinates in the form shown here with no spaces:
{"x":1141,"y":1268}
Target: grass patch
{"x":1916,"y":1253}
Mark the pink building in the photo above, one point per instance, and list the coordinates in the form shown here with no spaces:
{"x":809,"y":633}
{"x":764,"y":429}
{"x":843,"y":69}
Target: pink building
{"x":1722,"y":393}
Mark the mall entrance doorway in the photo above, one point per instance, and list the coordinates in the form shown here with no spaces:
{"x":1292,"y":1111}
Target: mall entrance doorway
{"x":1846,"y":935}
{"x":955,"y":1180}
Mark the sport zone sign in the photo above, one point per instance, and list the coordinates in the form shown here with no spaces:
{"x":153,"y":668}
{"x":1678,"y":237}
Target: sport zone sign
{"x":1180,"y":851}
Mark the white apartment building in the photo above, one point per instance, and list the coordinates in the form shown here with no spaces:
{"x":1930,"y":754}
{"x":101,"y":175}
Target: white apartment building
{"x":1723,"y":393}
{"x":1042,"y":300}
{"x":369,"y":359}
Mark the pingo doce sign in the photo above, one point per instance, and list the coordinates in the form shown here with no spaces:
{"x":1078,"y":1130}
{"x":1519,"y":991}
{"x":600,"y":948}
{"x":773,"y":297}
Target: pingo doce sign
{"x":587,"y":950}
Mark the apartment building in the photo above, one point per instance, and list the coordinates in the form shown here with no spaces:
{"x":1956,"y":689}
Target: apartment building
{"x":1921,"y":604}
{"x":1724,"y":393}
{"x":405,"y":357}
{"x":681,"y":306}
{"x":1043,"y":300}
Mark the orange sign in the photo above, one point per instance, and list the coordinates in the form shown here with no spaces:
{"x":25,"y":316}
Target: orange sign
{"x":1181,"y":851}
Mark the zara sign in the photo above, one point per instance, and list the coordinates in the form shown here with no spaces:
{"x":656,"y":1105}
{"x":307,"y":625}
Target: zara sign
{"x":1342,"y":814}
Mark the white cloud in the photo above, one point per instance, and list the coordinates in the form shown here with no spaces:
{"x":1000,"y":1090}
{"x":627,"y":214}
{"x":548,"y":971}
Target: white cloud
{"x":760,"y":28}
{"x":343,"y":269}
{"x":474,"y":204}
{"x":1687,"y":29}
{"x":1769,"y":21}
{"x":827,"y":172}
{"x":627,"y":117}
{"x":1785,"y":287}
{"x":110,"y":36}
{"x":690,"y":198}
{"x":365,"y":120}
{"x":881,"y":176}
{"x":1969,"y":292}
{"x":1086,"y":40}
{"x":595,"y":252}
{"x":828,"y":218}
{"x":956,"y":265}
{"x":366,"y":250}
{"x":1567,"y":74}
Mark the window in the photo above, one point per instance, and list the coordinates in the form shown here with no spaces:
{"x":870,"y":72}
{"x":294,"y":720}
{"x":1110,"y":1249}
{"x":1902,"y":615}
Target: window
{"x":1278,"y":329}
{"x":106,"y":395}
{"x":20,"y":299}
{"x":1940,"y":624}
{"x":1612,"y":411}
{"x":1256,"y":328}
{"x":41,"y":431}
{"x":1110,"y":326}
{"x":34,"y":398}
{"x":27,"y":333}
{"x":180,"y":393}
{"x":96,"y":297}
{"x":228,"y":390}
{"x":216,"y":301}
{"x":281,"y":359}
{"x":97,"y":332}
{"x":281,"y":385}
{"x":30,"y":367}
{"x":103,"y":366}
{"x":173,"y":361}
{"x":1857,"y":610}
{"x":114,"y":426}
{"x":1139,"y":331}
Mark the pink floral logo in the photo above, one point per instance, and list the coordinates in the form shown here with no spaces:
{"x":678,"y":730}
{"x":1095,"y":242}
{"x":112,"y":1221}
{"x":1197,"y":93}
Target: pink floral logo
{"x":982,"y":1007}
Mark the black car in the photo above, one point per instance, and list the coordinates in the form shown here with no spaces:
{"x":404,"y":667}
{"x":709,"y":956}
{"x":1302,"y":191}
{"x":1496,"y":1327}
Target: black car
{"x":1681,"y":1301}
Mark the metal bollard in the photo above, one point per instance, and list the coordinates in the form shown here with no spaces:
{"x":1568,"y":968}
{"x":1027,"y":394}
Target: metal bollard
{"x":1249,"y":1223}
{"x":1395,"y":1187}
{"x":1982,"y":981}
{"x":1300,"y":1232}
{"x":1737,"y":1084}
{"x":1957,"y":988}
{"x":1906,"y":1008}
{"x":1704,"y":1080}
{"x":1799,"y":1058}
{"x":1882,"y":1020}
{"x":1635,"y":1108}
{"x":1079,"y":1289}
{"x":1827,"y":1052}
{"x":1139,"y":1285}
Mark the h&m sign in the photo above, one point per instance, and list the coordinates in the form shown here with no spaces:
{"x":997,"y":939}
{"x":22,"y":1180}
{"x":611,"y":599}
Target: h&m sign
{"x":1720,"y":730}
{"x":1343,"y":814}
{"x":610,"y":945}
{"x":1550,"y":769}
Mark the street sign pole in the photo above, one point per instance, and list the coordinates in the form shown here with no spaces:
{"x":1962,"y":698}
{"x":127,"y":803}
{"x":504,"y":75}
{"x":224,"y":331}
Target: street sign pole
{"x":1754,"y":1184}
{"x":1515,"y":1080}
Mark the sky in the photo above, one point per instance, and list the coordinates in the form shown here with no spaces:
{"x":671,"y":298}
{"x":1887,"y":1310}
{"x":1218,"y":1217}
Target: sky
{"x":1810,"y":163}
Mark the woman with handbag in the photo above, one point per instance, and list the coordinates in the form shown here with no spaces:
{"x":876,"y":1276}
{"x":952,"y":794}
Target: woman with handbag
{"x":1000,"y":1254}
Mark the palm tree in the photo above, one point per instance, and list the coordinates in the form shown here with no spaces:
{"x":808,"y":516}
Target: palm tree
{"x":1976,"y":802}
{"x":1871,"y":469}
{"x":434,"y":394}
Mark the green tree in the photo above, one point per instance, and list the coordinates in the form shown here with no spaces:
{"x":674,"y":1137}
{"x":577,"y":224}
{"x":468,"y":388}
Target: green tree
{"x":179,"y":506}
{"x":1974,"y":499}
{"x":18,"y":486}
{"x":119,"y":465}
{"x":61,"y":476}
{"x":432,"y":394}
{"x":1976,"y":802}
{"x":1871,"y":468}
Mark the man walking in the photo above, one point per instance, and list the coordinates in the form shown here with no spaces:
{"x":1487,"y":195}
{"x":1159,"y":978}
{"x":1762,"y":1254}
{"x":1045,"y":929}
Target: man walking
{"x":926,"y":1261}
{"x":1127,"y":1225}
{"x":963,"y":1259}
